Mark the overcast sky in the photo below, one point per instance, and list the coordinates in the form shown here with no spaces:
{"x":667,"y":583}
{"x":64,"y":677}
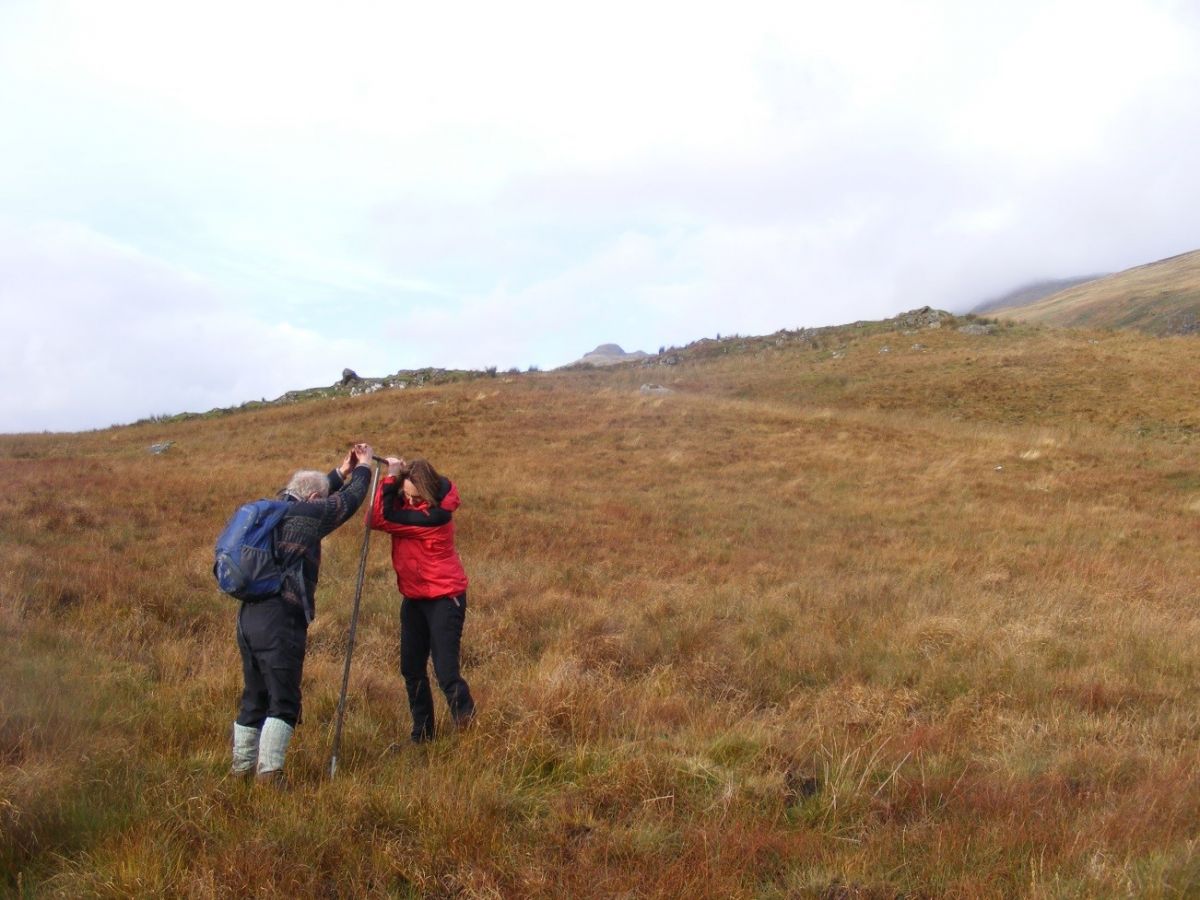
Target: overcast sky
{"x":207,"y":203}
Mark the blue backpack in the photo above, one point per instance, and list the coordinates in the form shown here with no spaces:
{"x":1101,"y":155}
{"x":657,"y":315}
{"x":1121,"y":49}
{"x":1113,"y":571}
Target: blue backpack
{"x":245,"y":565}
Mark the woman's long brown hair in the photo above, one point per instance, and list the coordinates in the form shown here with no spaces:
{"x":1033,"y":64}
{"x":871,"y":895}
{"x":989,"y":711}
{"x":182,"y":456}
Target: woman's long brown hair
{"x":424,"y":478}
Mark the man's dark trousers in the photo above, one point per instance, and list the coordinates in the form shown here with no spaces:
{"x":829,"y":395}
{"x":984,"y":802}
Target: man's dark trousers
{"x":272,"y":635}
{"x":433,"y":627}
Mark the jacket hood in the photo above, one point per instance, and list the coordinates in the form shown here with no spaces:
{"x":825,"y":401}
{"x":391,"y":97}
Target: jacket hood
{"x":447,"y":497}
{"x":451,"y":501}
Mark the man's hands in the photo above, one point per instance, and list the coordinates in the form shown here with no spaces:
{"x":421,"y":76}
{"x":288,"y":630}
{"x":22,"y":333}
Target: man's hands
{"x":360,"y":455}
{"x":347,"y":466}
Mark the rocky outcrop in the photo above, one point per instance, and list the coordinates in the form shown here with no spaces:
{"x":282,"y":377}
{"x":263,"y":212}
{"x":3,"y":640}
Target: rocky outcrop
{"x":609,"y":355}
{"x":925,"y":317}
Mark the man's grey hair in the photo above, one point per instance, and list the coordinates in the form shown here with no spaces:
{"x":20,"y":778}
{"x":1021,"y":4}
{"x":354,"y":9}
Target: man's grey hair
{"x":307,"y":482}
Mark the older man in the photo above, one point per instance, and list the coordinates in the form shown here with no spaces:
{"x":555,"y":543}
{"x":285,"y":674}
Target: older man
{"x":272,"y":632}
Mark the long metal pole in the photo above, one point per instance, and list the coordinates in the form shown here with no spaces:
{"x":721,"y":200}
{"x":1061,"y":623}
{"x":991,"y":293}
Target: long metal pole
{"x":362,"y":571}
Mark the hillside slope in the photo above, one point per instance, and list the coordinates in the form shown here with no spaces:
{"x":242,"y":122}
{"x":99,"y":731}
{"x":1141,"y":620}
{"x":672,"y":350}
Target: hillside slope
{"x":874,"y":611}
{"x":1159,"y":298}
{"x":1030,"y":293}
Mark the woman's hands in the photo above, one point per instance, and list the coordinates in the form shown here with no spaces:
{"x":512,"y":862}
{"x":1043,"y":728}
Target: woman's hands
{"x":395,"y":465}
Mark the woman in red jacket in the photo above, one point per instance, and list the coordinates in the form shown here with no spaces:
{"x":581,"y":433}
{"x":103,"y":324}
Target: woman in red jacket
{"x":415,"y":506}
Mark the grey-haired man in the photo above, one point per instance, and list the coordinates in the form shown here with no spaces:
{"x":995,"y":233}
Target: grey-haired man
{"x":272,"y":632}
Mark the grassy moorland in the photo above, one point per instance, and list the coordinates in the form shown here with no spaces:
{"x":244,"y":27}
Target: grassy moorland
{"x":1159,"y":298}
{"x":828,"y":621}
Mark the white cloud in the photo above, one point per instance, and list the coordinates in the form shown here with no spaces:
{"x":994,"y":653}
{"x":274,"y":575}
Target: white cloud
{"x":104,"y":335}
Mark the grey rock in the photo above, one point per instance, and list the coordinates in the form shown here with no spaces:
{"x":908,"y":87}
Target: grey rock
{"x":655,"y":389}
{"x":925,"y":317}
{"x":976,"y":328}
{"x":162,"y":447}
{"x":610,"y":355}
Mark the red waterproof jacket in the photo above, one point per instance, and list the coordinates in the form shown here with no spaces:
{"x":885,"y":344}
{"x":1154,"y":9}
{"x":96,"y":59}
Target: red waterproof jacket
{"x":423,"y":555}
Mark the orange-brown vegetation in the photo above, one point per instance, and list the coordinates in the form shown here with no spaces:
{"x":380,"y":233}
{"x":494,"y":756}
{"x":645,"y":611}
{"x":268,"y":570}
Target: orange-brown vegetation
{"x":827,"y":621}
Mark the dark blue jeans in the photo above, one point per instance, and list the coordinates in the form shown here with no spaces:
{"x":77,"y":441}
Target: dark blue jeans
{"x":433,"y":628}
{"x":272,"y":635}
